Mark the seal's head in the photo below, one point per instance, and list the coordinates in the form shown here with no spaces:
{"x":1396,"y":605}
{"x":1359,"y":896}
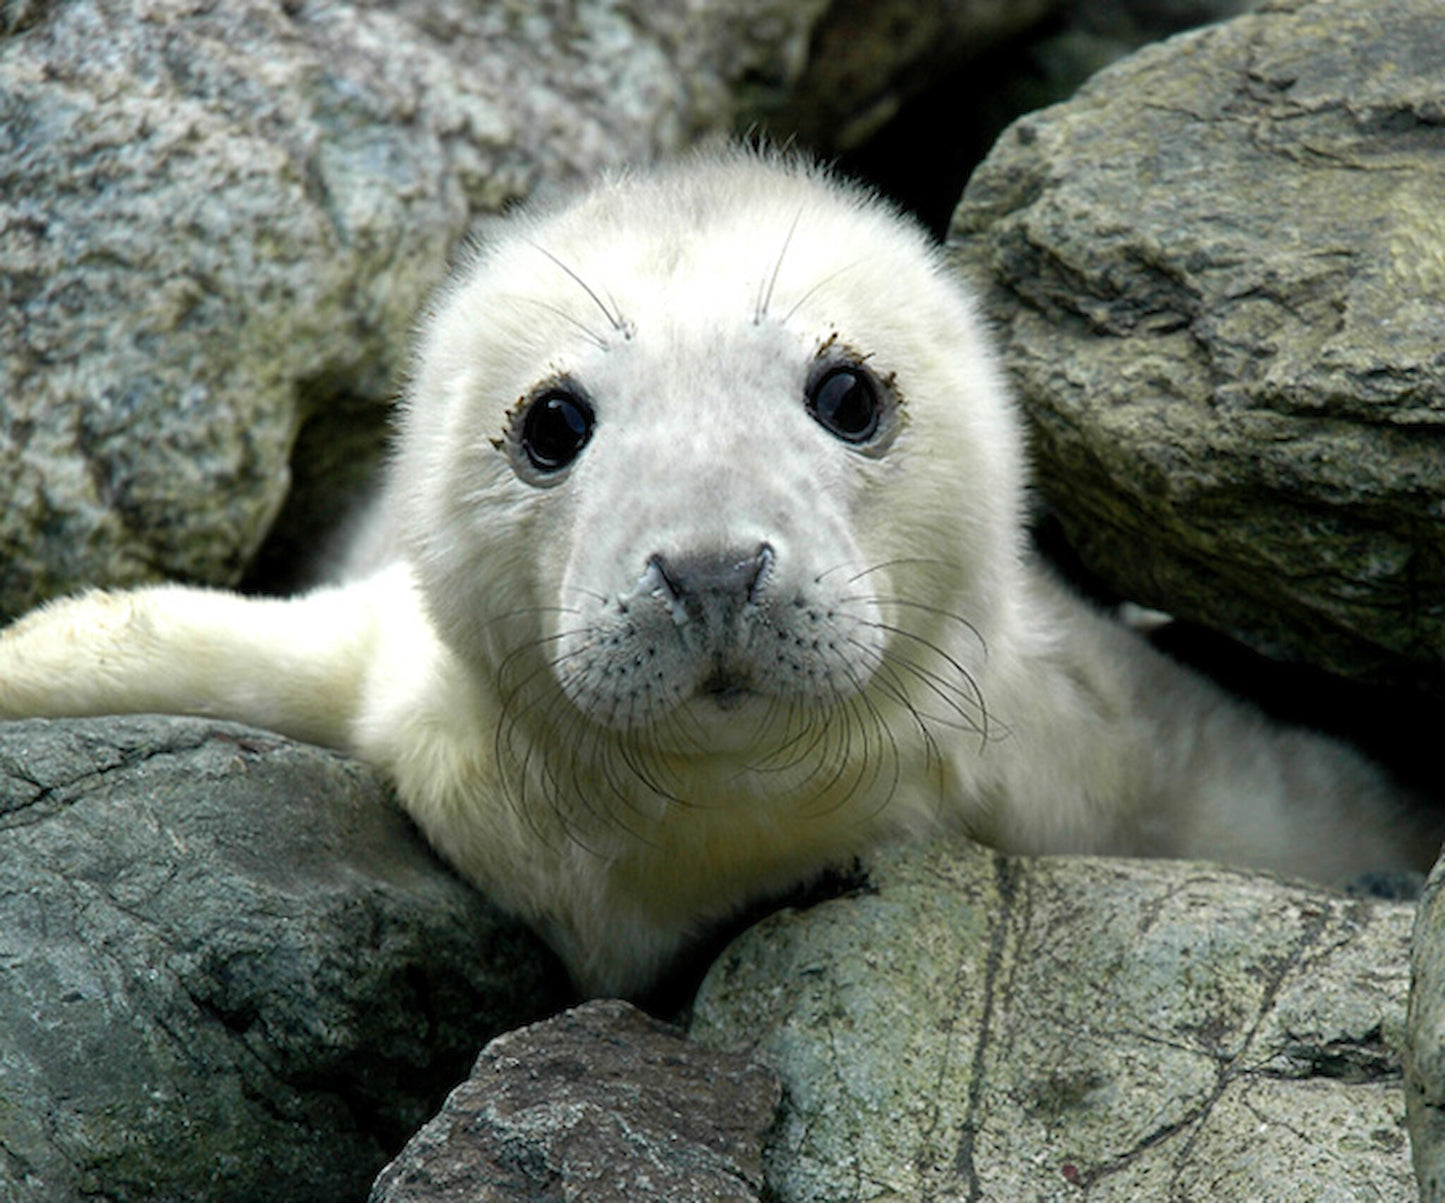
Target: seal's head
{"x":712,"y":464}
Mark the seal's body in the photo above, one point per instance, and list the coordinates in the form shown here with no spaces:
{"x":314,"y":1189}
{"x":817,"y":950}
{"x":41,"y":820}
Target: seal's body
{"x":701,"y":567}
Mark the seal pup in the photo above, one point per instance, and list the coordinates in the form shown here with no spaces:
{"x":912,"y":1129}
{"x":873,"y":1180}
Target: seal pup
{"x":701,"y":567}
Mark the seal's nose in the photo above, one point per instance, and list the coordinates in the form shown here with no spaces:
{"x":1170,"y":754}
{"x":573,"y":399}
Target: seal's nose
{"x":711,"y":587}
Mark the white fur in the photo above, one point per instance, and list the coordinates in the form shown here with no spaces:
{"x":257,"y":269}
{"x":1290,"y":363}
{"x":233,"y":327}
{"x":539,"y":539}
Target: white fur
{"x":935,"y":677}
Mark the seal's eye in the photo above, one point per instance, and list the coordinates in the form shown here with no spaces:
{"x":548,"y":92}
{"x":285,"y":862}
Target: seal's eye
{"x":846,"y":401}
{"x":555,"y":427}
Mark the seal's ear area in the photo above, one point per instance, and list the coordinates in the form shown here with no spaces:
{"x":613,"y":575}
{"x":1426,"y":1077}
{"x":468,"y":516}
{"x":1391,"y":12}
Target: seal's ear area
{"x":296,"y":666}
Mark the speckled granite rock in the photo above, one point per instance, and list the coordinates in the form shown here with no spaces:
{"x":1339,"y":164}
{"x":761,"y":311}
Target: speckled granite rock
{"x":601,"y":1104}
{"x":218,"y":223}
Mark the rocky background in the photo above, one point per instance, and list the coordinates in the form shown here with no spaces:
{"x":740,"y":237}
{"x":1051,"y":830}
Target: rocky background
{"x":1217,"y":272}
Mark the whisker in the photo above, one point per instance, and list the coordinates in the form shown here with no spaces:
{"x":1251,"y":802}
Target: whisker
{"x":644,"y":768}
{"x":964,"y":702}
{"x":831,"y":276}
{"x":590,"y":334}
{"x":924,"y":607}
{"x":842,"y":761}
{"x":894,"y":757}
{"x":796,"y":748}
{"x":890,"y":676}
{"x":581,"y":776}
{"x":894,"y":563}
{"x":765,"y":295}
{"x":613,"y":315}
{"x":616,"y":781}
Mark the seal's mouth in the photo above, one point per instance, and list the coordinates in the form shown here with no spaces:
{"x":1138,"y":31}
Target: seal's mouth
{"x":725,"y":688}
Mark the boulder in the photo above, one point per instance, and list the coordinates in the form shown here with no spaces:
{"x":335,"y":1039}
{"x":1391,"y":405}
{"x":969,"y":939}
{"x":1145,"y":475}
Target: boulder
{"x":218,"y":223}
{"x":1217,"y":278}
{"x":233,"y":971}
{"x":601,"y":1103}
{"x":1425,"y":1056}
{"x":975,"y":1026}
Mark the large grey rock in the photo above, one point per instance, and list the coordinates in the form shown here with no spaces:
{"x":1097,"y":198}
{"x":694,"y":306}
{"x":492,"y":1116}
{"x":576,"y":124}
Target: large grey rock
{"x":974,"y":1026}
{"x":232,"y":971}
{"x":1425,"y":1057}
{"x":218,"y":223}
{"x":1218,"y":281}
{"x":601,"y":1104}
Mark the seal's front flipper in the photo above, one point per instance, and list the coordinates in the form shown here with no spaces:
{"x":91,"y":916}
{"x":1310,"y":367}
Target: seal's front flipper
{"x":294,"y":665}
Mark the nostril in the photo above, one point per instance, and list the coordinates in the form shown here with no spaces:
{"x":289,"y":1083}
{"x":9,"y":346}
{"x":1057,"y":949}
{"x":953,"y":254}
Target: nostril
{"x":763,"y":559}
{"x":671,"y":579}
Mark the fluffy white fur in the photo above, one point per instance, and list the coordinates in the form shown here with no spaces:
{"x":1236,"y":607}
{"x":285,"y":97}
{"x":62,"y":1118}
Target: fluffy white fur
{"x":621,"y":761}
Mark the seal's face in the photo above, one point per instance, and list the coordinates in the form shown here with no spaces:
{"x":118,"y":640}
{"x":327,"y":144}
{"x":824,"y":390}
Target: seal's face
{"x":711,"y":559}
{"x":708,"y":457}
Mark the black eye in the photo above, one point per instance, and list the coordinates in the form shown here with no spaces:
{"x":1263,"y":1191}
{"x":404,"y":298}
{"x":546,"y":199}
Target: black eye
{"x":555,"y":428}
{"x":845,"y":400}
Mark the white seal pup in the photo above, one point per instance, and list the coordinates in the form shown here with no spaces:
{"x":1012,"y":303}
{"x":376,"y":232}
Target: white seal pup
{"x":703,"y":568}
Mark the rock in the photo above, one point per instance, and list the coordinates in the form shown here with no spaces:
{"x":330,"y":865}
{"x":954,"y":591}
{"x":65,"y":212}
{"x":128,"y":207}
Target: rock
{"x":976,"y":1026}
{"x":232,"y":969}
{"x":601,"y":1103}
{"x":1425,"y":1055}
{"x":218,"y":223}
{"x":1218,"y":280}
